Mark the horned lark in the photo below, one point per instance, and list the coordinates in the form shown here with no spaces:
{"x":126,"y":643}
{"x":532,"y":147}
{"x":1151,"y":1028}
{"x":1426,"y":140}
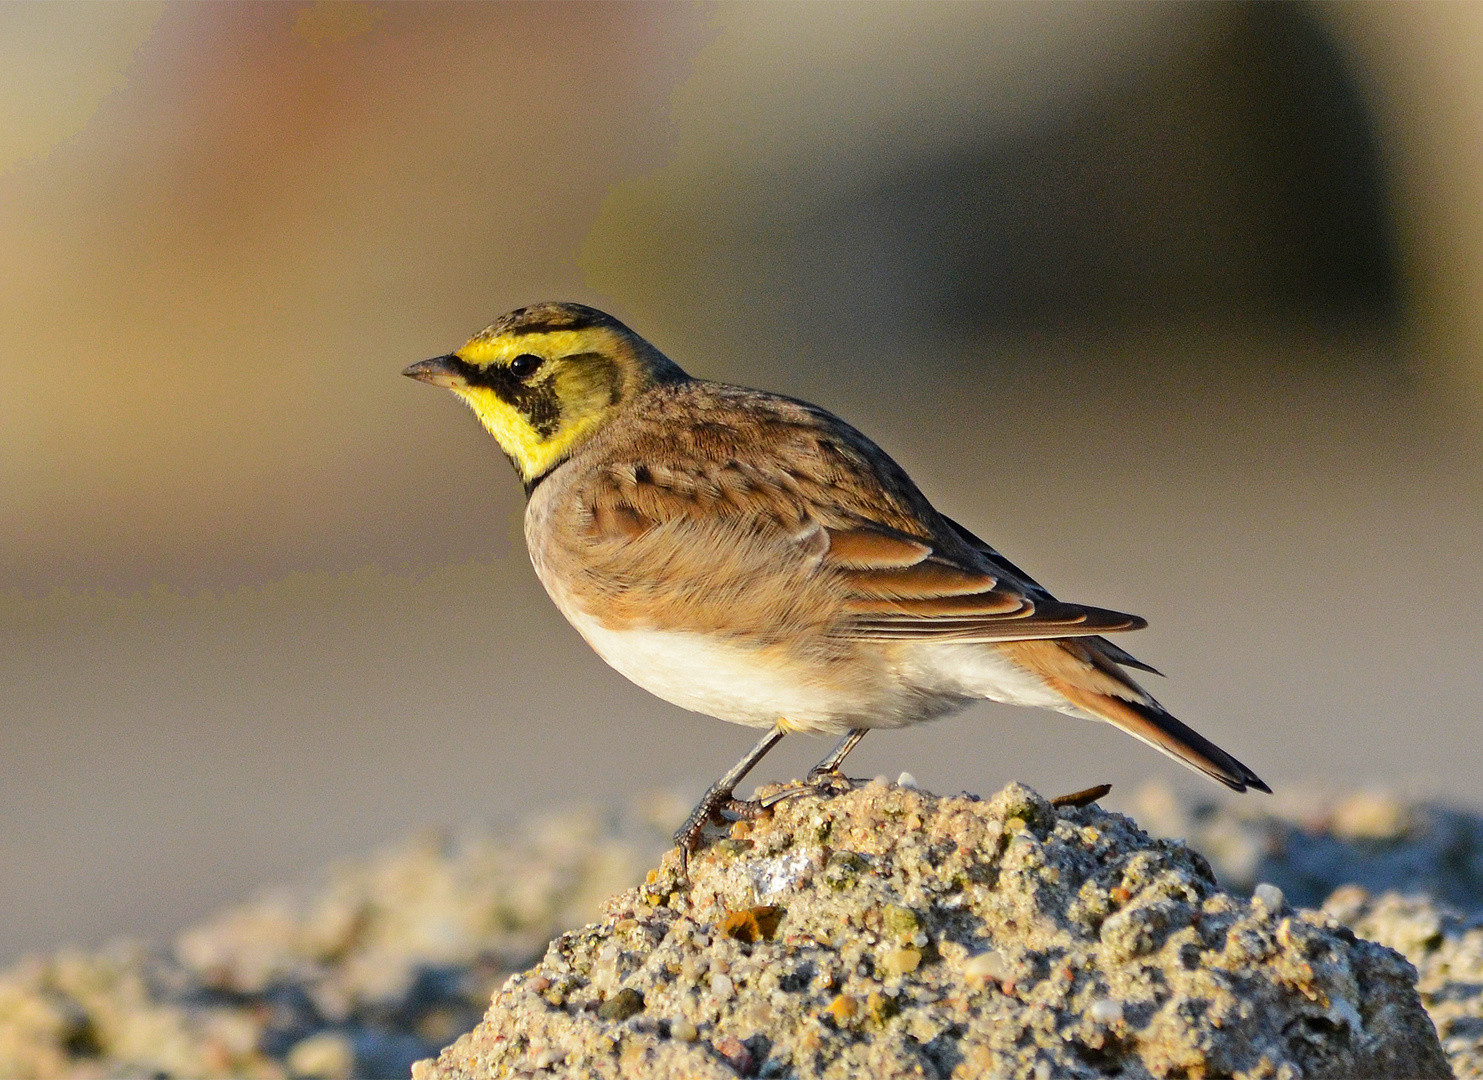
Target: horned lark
{"x":755,"y":558}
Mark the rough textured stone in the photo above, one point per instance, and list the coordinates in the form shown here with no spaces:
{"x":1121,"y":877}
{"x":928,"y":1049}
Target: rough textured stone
{"x":382,"y":960}
{"x":953,"y":938}
{"x":1309,"y":842}
{"x":1447,"y":950}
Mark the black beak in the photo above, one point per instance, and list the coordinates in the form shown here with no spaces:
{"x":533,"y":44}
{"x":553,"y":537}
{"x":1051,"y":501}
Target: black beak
{"x":440,"y":371}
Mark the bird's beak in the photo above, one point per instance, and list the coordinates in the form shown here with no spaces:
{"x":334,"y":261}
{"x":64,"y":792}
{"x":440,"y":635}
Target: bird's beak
{"x":440,"y":371}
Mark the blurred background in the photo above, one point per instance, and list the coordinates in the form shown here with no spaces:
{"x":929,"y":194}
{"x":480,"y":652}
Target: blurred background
{"x":1179,"y":306}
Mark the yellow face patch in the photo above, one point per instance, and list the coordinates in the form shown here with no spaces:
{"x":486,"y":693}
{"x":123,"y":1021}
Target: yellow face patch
{"x":543,"y":379}
{"x":509,"y":428}
{"x":483,"y":352}
{"x":538,"y":419}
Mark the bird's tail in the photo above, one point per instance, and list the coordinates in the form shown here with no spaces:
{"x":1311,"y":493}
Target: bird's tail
{"x":1090,"y":680}
{"x":1150,"y":723}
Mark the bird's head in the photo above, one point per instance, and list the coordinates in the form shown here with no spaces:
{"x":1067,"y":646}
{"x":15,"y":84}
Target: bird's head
{"x":544,"y":379}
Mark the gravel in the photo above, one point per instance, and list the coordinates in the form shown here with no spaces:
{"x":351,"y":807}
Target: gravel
{"x":1447,"y":950}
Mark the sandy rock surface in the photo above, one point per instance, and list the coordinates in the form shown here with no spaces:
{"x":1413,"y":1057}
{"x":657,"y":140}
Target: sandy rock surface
{"x":1309,"y":842}
{"x":888,"y":932}
{"x":1447,"y":950}
{"x":379,"y":961}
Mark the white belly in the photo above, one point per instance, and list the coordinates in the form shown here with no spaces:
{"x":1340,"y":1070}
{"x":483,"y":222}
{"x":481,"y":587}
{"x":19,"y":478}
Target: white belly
{"x":744,"y":686}
{"x":978,"y":671}
{"x":882,"y":687}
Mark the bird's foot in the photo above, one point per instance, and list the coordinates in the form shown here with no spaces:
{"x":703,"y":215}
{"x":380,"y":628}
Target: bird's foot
{"x":827,"y":783}
{"x":831,"y":779}
{"x":745,"y":809}
{"x":716,"y":803}
{"x":719,"y":802}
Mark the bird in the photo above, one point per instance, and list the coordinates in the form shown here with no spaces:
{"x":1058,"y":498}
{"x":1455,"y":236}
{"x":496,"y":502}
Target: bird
{"x":755,"y":558}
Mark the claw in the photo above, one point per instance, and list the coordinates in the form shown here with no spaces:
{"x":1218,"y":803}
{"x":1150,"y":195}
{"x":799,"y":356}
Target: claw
{"x":783,"y":794}
{"x":827,"y":783}
{"x":717,"y":801}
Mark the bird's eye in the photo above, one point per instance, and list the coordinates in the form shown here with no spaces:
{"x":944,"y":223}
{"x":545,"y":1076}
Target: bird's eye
{"x":524,"y":365}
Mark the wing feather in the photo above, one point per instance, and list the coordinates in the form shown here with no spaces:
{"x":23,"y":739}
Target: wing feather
{"x":925,"y":581}
{"x":903,"y":588}
{"x":875,"y":549}
{"x":823,"y":530}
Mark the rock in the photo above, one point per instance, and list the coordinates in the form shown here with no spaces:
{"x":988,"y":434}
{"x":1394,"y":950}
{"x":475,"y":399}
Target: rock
{"x":913,"y":935}
{"x":1447,"y":950}
{"x":396,"y":954}
{"x":1309,"y":842}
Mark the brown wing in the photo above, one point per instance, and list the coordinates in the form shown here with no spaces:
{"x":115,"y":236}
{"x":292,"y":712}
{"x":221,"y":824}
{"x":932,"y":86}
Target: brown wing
{"x":708,"y":552}
{"x":899,"y":588}
{"x":819,"y":532}
{"x":1036,"y":591}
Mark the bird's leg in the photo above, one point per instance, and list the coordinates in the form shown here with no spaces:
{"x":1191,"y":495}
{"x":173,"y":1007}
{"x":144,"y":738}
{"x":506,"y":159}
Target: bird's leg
{"x":830,"y":765}
{"x":718,"y":796}
{"x":823,"y":776}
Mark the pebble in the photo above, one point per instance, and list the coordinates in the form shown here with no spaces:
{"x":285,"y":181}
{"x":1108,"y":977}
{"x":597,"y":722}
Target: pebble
{"x":625,"y":1003}
{"x":988,"y":966}
{"x":1269,"y":896}
{"x":722,"y":987}
{"x":736,"y":1054}
{"x":900,"y":961}
{"x":842,"y":1008}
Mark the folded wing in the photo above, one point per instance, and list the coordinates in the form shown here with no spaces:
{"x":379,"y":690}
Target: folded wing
{"x":900,"y":587}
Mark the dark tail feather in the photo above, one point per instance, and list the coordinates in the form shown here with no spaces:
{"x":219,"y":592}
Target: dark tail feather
{"x":1123,"y":657}
{"x":1150,"y":723}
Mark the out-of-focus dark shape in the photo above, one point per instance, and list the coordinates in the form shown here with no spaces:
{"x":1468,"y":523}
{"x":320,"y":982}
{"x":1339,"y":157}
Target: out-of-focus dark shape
{"x":1418,"y":66}
{"x":1234,"y":181}
{"x":1241,"y":181}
